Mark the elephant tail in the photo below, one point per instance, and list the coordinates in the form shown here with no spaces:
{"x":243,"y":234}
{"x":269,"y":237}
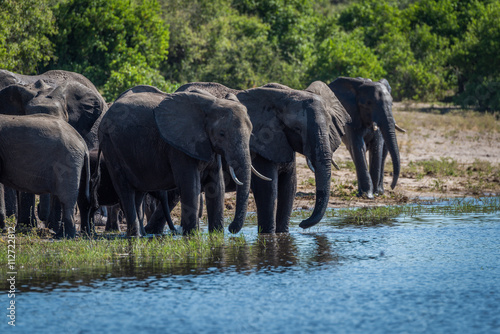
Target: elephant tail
{"x":95,"y":181}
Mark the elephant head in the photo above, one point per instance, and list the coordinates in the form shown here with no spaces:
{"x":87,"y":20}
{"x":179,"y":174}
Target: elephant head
{"x":370,"y":106}
{"x":203,"y":126}
{"x":67,"y":95}
{"x":71,"y":101}
{"x":287,"y":121}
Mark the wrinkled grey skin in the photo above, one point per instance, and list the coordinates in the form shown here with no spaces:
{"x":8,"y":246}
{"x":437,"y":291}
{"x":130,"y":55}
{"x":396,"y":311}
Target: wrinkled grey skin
{"x":286,"y":121}
{"x":103,"y":193}
{"x":67,"y":95}
{"x":372,"y":129}
{"x":156,"y":141}
{"x":43,"y":154}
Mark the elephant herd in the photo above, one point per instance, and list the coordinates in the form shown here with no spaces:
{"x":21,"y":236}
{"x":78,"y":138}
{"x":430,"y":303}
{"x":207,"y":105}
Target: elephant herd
{"x":61,"y":140}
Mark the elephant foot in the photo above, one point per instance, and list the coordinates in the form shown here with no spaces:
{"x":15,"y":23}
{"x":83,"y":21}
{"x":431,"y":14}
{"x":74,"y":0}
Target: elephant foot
{"x":153,"y":229}
{"x":368,"y":195}
{"x":23,"y":228}
{"x":65,"y":232}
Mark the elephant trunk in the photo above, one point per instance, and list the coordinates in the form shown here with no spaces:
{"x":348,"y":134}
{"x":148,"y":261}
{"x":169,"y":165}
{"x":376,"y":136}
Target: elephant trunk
{"x":322,"y":175}
{"x":242,"y":171}
{"x":387,"y":126}
{"x":321,"y":158}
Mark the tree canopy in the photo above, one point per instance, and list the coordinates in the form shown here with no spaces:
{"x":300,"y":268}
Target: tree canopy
{"x":427,"y":49}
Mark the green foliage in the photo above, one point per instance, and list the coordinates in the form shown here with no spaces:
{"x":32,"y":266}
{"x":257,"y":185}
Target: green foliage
{"x":129,"y":76}
{"x":25,"y":29}
{"x":345,"y":54}
{"x":476,"y":60}
{"x":101,"y":37}
{"x":427,"y":49}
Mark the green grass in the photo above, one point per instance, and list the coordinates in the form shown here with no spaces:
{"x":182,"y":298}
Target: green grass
{"x":41,"y":258}
{"x":386,"y":214}
{"x":38,"y":257}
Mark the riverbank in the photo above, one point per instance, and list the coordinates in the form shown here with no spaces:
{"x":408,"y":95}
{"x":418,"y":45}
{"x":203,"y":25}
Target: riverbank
{"x":445,"y":152}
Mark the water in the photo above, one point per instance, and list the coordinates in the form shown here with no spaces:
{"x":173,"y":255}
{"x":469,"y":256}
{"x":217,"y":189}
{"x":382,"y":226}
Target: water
{"x":426,"y":274}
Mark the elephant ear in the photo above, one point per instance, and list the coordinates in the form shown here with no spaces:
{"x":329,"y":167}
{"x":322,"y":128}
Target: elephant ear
{"x":180,"y":119}
{"x":268,"y":137}
{"x":345,"y":89}
{"x":14,"y":99}
{"x":83,"y":105}
{"x":386,"y":84}
{"x":335,"y":110}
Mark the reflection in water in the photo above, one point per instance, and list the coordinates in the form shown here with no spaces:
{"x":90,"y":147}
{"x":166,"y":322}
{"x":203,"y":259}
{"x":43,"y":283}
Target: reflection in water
{"x":273,"y":253}
{"x":437,"y":274}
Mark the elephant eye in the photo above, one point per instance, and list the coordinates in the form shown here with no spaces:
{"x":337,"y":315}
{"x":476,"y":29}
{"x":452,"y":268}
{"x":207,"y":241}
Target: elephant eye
{"x":222,"y":134}
{"x":297,"y":129}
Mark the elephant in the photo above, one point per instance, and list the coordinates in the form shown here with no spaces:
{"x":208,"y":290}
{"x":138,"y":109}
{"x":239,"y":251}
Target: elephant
{"x":153,"y":141}
{"x":44,"y":154}
{"x":372,"y":129}
{"x":286,"y":121}
{"x":67,"y":95}
{"x":103,"y":193}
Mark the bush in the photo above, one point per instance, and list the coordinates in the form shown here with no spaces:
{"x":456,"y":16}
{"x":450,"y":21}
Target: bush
{"x":129,"y":76}
{"x":97,"y":37}
{"x":25,"y":29}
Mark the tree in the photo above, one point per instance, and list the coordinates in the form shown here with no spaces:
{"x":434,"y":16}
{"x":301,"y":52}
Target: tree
{"x":476,"y":60}
{"x":100,"y":38}
{"x":25,"y":28}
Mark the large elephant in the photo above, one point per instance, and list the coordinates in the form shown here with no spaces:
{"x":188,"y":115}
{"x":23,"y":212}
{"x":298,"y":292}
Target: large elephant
{"x":372,"y":129}
{"x":156,"y":141}
{"x":286,"y":121}
{"x":43,"y":154}
{"x":67,"y":95}
{"x":104,"y":194}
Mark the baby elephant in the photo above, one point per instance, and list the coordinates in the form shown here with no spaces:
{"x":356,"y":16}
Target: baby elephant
{"x":43,"y":154}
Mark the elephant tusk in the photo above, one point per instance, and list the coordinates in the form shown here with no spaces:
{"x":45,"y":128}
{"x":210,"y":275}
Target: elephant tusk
{"x":375,"y":127}
{"x":235,"y":179}
{"x":399,"y":129}
{"x":335,"y":165}
{"x":219,"y":161}
{"x":260,"y":175}
{"x":310,"y":165}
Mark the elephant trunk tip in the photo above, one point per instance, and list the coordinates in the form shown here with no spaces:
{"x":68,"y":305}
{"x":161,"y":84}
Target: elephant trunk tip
{"x":235,"y":227}
{"x":394,"y":181}
{"x":306,"y":223}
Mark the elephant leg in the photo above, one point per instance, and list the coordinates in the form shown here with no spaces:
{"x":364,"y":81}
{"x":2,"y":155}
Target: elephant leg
{"x":265,"y":194}
{"x":214,"y":196}
{"x":190,"y":201}
{"x":200,"y":212}
{"x":150,"y":205}
{"x":67,"y":228}
{"x":44,"y":207}
{"x":54,"y":219}
{"x":10,"y":201}
{"x":385,"y":152}
{"x":113,"y":219}
{"x":358,"y":154}
{"x":139,"y":207}
{"x":127,"y":199}
{"x":376,"y":162}
{"x":86,"y":225}
{"x":26,"y":216}
{"x":287,"y":187}
{"x":156,"y":223}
